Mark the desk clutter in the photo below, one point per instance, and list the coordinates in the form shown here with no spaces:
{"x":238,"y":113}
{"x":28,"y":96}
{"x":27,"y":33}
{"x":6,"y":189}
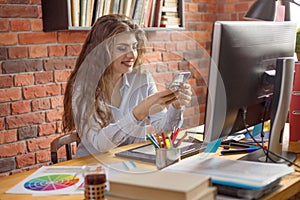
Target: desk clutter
{"x":201,"y":176}
{"x":197,"y":177}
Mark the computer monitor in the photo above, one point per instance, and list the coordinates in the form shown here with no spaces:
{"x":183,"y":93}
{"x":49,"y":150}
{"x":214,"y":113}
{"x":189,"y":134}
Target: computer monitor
{"x":240,"y":86}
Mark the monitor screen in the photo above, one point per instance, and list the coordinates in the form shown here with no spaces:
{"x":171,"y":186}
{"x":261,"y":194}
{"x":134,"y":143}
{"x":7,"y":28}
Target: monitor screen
{"x":241,"y":54}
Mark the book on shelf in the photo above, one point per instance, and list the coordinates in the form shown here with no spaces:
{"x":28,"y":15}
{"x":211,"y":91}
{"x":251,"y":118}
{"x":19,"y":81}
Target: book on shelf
{"x":170,"y":14}
{"x":148,"y":12}
{"x":158,"y":13}
{"x":173,"y":4}
{"x":152,"y":14}
{"x":83,"y":7}
{"x":127,"y":10}
{"x":170,"y":3}
{"x":101,"y":9}
{"x":161,"y":184}
{"x":75,"y":12}
{"x":106,"y":7}
{"x":169,"y":18}
{"x":89,"y":12}
{"x":132,"y":8}
{"x":138,"y":12}
{"x":122,"y":7}
{"x":144,"y":10}
{"x":114,"y":7}
{"x":169,"y":25}
{"x":98,"y":10}
{"x":169,"y":9}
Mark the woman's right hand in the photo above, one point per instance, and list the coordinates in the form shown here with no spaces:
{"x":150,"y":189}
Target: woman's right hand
{"x":153,"y":104}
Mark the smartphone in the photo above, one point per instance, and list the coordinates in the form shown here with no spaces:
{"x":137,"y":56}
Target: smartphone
{"x":179,"y":78}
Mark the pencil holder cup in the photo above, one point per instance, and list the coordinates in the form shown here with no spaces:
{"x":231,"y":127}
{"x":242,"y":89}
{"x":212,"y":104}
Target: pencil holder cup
{"x":95,"y":184}
{"x":165,"y":157}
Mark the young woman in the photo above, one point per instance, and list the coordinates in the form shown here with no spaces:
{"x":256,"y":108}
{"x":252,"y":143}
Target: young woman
{"x":108,"y":98}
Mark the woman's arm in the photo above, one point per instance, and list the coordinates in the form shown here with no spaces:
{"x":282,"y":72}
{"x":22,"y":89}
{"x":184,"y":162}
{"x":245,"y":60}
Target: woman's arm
{"x":104,"y":139}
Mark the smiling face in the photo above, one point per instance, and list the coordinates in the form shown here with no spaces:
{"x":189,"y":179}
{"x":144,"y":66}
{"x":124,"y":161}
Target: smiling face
{"x":124,"y":53}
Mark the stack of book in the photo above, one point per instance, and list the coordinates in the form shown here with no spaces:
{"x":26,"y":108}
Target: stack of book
{"x":161,"y":185}
{"x":170,"y":18}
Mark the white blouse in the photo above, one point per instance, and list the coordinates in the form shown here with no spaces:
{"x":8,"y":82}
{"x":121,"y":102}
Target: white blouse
{"x":126,"y":129}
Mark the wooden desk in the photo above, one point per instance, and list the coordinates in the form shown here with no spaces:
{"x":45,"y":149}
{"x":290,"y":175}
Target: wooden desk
{"x":290,"y":185}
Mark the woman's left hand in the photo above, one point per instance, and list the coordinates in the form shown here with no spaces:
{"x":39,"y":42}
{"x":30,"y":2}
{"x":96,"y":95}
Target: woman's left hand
{"x":183,"y":95}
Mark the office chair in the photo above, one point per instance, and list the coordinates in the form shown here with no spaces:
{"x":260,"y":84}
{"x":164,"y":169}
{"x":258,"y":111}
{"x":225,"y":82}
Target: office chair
{"x":66,"y":140}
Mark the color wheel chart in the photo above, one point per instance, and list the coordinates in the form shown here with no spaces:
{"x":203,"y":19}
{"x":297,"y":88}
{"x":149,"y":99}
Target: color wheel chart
{"x":60,"y":180}
{"x":51,"y":182}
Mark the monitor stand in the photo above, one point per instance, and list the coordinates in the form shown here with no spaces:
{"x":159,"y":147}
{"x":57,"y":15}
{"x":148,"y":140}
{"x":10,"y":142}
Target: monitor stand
{"x":283,"y":84}
{"x":259,"y":156}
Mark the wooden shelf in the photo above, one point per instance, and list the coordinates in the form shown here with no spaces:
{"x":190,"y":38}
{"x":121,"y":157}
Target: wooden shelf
{"x":57,"y":16}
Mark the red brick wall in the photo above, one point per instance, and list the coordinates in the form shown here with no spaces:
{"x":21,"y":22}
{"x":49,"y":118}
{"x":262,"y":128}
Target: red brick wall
{"x":34,"y":67}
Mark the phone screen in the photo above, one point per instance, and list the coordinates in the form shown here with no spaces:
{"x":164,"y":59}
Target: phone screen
{"x":180,"y":78}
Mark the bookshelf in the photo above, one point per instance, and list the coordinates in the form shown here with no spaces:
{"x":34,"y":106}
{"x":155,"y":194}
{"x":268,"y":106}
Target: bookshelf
{"x":80,"y":14}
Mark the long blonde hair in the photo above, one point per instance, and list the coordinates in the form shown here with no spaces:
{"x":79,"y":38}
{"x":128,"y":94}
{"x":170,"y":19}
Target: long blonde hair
{"x":104,"y":28}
